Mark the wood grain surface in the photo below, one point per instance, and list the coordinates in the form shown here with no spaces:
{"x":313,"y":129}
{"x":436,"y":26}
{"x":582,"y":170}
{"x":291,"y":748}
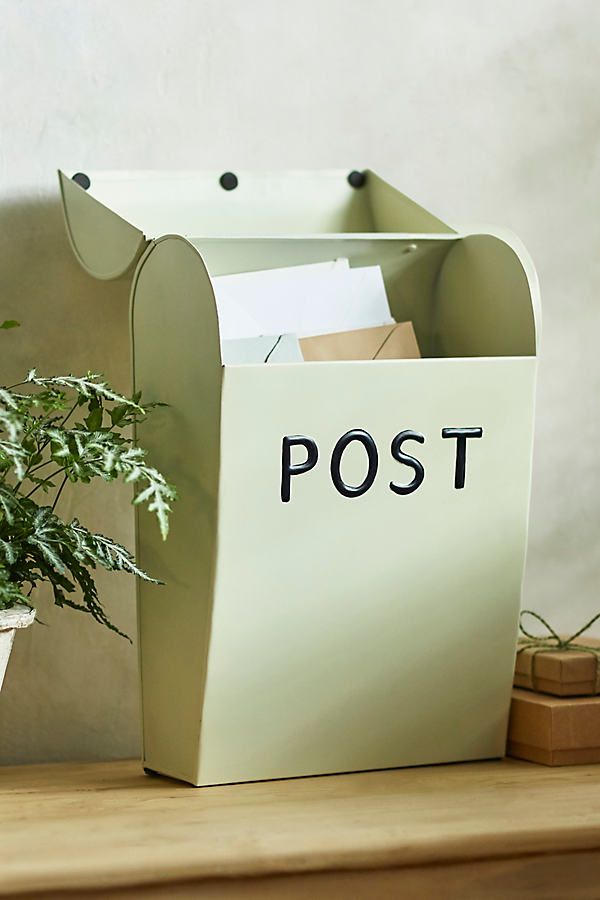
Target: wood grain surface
{"x":478,"y":828}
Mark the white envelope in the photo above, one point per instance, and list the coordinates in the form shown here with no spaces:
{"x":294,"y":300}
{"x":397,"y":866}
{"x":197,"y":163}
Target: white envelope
{"x":283,"y":348}
{"x":302,"y":300}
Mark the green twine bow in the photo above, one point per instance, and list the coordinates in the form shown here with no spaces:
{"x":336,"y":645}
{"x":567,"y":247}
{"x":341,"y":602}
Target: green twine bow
{"x":553,"y":641}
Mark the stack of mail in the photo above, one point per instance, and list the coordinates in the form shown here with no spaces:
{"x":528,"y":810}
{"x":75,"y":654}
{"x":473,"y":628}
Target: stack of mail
{"x":322,"y":311}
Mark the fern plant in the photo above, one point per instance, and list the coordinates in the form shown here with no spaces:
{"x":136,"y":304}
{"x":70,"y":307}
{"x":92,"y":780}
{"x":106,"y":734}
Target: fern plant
{"x":54,"y":431}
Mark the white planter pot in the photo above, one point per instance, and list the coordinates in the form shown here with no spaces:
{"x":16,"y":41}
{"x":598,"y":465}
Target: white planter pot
{"x":10,"y":620}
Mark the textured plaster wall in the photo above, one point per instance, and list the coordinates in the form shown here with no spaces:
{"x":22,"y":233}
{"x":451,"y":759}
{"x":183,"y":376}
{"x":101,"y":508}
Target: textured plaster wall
{"x":483,"y":112}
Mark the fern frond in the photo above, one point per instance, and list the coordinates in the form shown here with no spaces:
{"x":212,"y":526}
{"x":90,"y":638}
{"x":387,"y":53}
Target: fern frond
{"x":87,"y":386}
{"x":77,"y":429}
{"x":107,"y":553}
{"x":13,"y":455}
{"x":10,"y":593}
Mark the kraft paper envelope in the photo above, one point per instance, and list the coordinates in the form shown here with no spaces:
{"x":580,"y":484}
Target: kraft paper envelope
{"x":283,"y":348}
{"x":396,"y":341}
{"x":302,"y":300}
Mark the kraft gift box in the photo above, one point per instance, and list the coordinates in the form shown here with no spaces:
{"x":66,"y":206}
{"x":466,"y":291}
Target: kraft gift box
{"x":339,"y":521}
{"x":564,"y":673}
{"x":555,"y":731}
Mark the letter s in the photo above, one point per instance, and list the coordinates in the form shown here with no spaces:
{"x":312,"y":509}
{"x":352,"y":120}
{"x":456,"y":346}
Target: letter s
{"x":407,"y":460}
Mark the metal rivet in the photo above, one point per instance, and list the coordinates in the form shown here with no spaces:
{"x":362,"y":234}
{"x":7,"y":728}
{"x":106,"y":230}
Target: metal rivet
{"x":356,"y":179}
{"x":82,"y":180}
{"x":228,"y":181}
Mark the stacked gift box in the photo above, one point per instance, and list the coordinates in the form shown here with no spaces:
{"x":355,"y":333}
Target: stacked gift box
{"x":555,"y":711}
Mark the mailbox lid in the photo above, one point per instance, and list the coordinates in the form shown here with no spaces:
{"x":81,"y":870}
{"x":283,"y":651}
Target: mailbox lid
{"x":110,"y":221}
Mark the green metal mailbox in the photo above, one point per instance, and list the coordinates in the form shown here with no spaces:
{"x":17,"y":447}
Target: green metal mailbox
{"x":335,"y":627}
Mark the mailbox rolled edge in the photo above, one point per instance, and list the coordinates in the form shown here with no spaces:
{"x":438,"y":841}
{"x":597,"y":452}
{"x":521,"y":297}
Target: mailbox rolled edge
{"x":176,"y":360}
{"x":105,"y":245}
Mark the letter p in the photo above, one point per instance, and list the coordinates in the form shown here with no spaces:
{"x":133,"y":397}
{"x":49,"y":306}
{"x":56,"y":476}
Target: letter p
{"x":287,"y":469}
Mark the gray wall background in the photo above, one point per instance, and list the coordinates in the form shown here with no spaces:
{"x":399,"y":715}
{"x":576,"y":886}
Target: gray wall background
{"x":481,"y":111}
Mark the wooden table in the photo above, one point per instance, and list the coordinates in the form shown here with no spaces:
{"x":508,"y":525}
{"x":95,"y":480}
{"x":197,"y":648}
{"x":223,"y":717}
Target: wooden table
{"x":491,"y":829}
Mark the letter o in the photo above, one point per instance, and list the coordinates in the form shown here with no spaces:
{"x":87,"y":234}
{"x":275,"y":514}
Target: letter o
{"x":364,"y":438}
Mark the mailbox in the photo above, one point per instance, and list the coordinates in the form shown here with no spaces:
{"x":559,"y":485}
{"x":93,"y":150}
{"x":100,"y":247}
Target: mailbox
{"x":344,"y":568}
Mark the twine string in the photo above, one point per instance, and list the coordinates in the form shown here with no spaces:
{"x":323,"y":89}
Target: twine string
{"x":553,"y":641}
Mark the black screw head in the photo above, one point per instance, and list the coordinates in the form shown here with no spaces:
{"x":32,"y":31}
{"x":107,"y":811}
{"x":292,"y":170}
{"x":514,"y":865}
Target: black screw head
{"x":228,"y":181}
{"x":82,"y":180}
{"x":356,"y":179}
